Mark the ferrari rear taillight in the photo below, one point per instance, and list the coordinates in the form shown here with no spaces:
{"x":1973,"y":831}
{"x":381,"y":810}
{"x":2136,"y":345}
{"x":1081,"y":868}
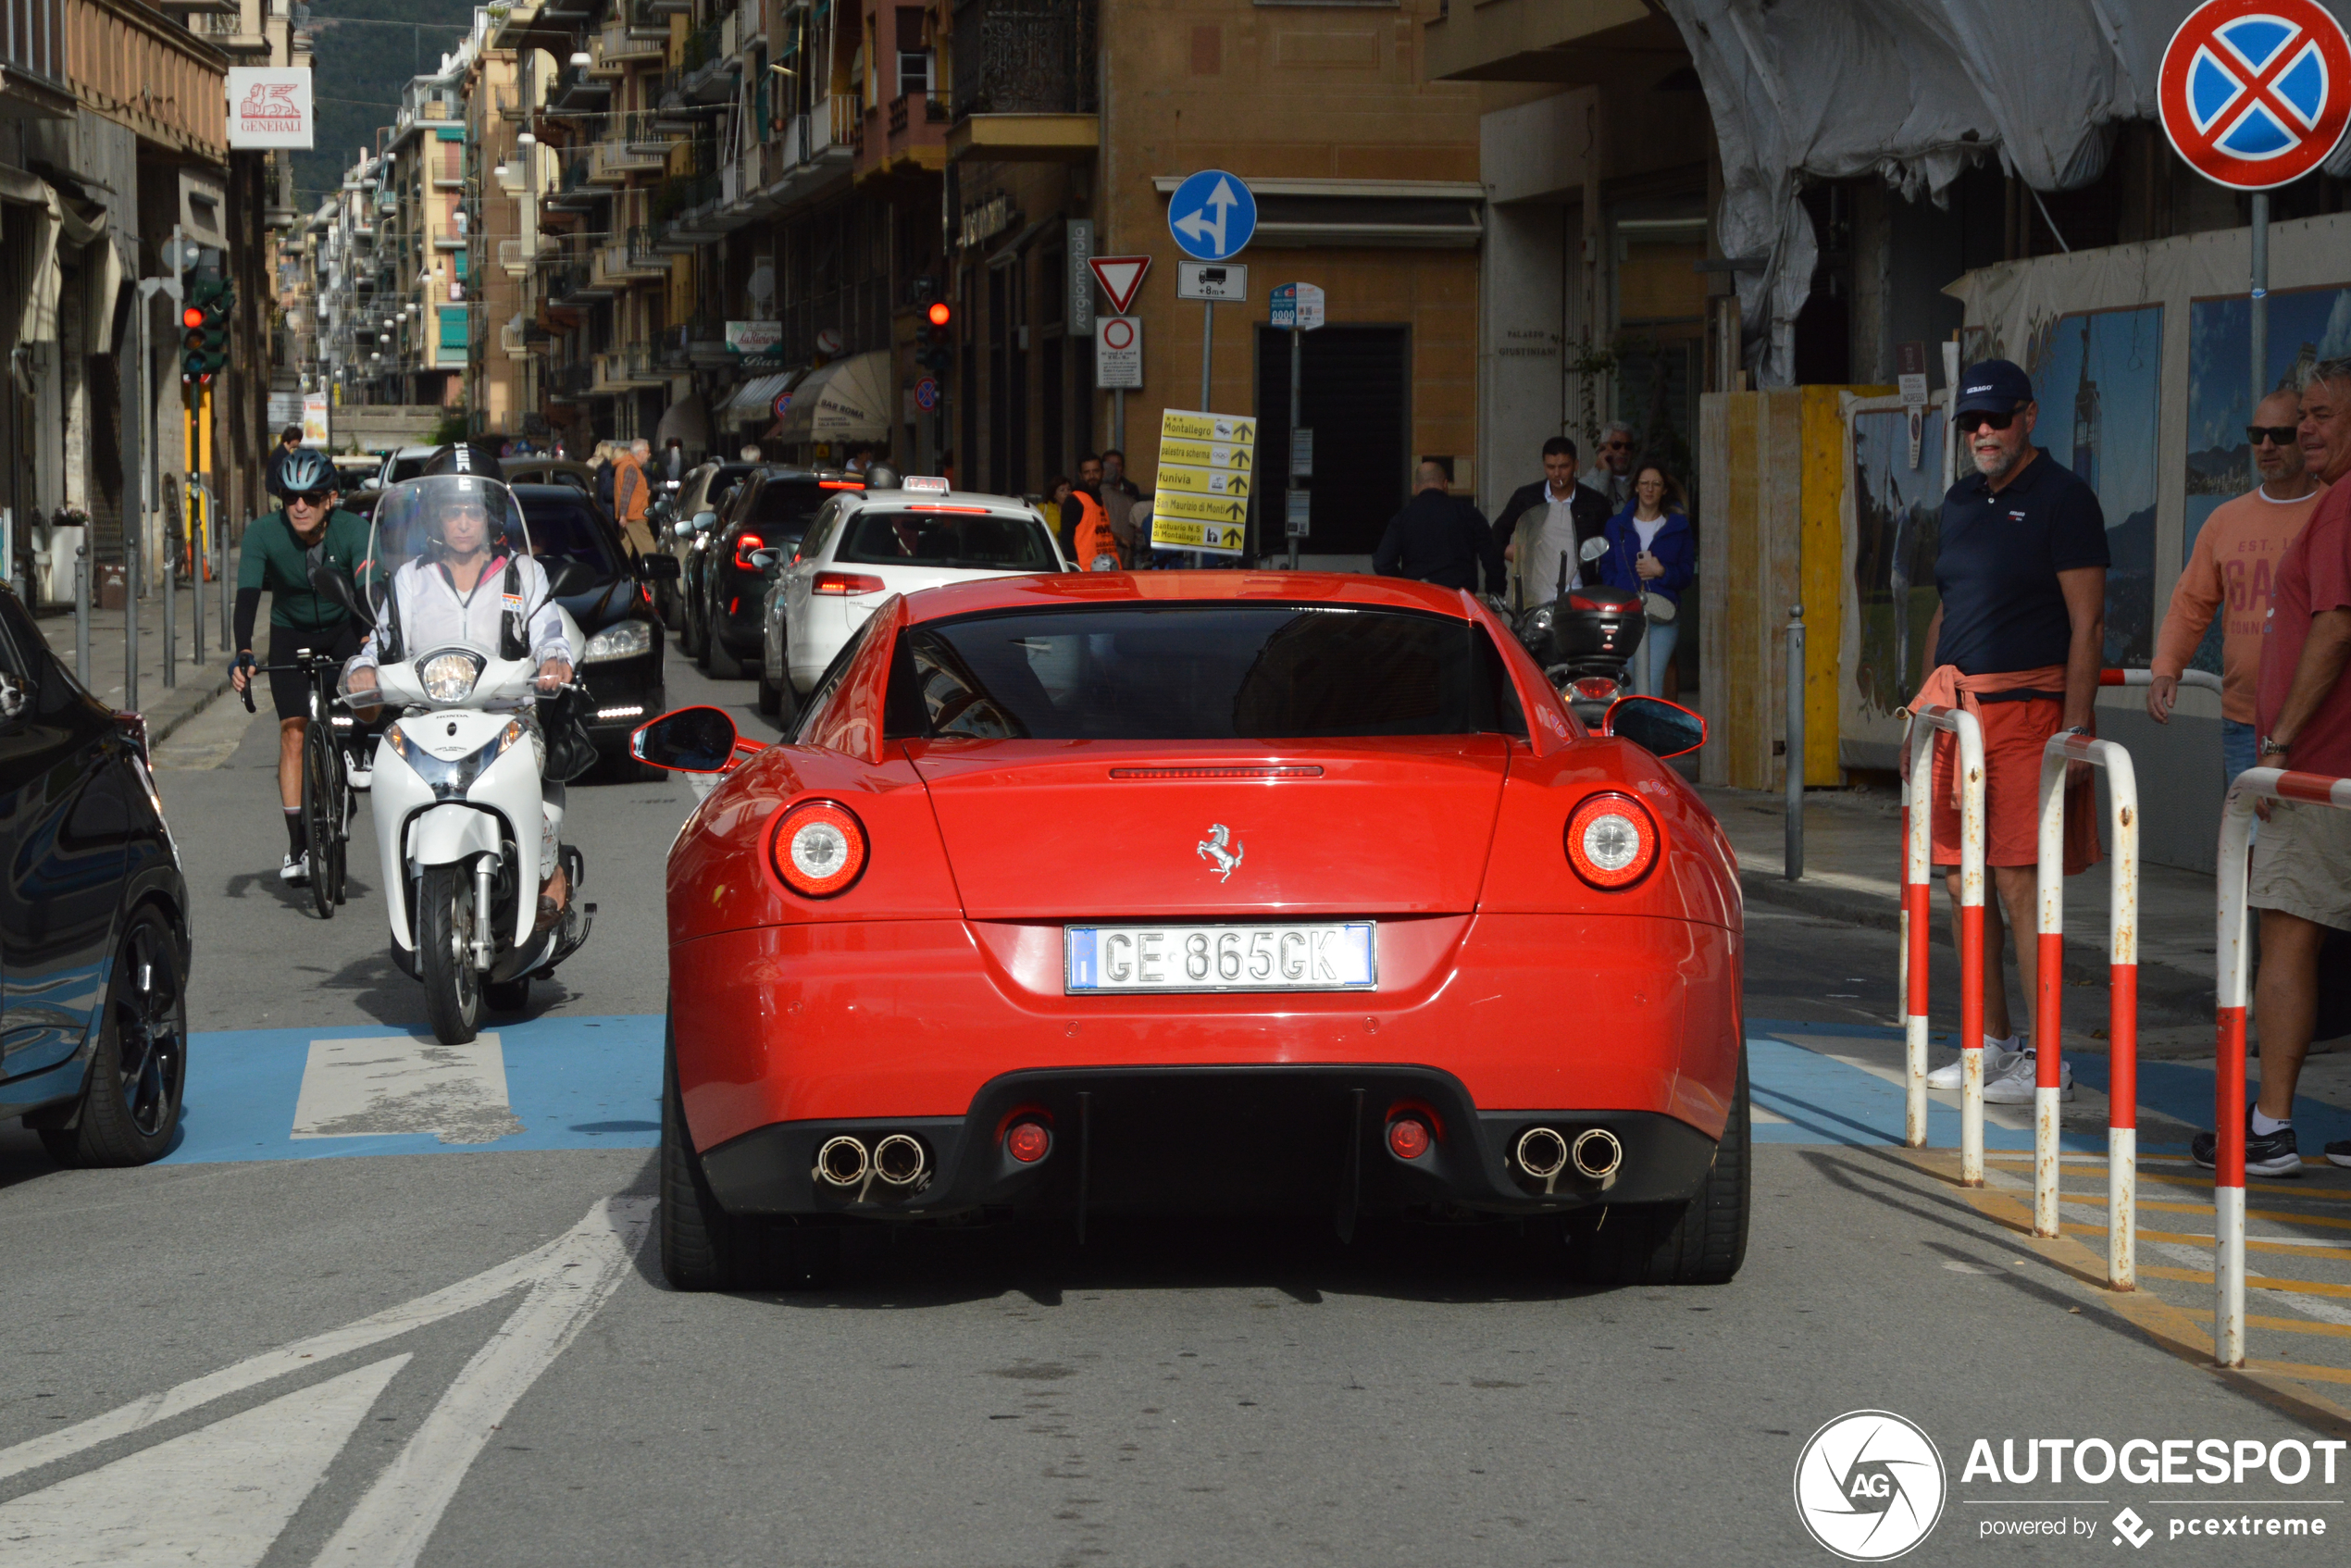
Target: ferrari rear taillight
{"x":744,"y":545}
{"x":1611,"y":840}
{"x":847,"y":583}
{"x":1027,"y":1141}
{"x":819,"y":849}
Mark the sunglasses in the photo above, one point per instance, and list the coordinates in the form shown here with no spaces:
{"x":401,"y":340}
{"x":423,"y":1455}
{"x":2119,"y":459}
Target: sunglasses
{"x":2277,"y":435}
{"x":1977,"y":419}
{"x":311,"y":498}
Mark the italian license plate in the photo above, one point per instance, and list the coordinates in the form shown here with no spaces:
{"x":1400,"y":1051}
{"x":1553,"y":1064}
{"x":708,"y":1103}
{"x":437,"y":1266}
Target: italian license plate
{"x":1337,"y":956}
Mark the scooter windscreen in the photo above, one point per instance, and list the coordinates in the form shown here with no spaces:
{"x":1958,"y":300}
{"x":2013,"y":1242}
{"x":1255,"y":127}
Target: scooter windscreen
{"x":441,"y":516}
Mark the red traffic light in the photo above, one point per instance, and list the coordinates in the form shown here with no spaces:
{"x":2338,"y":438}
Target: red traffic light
{"x":192,"y":316}
{"x":940,"y":314}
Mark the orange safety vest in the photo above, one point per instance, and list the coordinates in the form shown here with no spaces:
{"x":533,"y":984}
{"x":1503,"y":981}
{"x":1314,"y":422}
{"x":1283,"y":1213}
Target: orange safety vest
{"x":1092,"y":534}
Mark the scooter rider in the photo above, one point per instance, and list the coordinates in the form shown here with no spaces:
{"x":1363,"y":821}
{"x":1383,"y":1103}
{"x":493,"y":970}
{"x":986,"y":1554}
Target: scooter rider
{"x":279,"y":550}
{"x":458,"y":591}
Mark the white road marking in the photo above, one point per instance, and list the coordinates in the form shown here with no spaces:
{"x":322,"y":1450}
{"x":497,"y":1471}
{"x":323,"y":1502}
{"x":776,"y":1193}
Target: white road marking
{"x":392,"y":1523}
{"x":394,"y":1084}
{"x":216,"y":1498}
{"x":613,"y":1222}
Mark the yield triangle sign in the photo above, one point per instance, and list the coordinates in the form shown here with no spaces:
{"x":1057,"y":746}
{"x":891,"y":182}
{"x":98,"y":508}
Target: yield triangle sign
{"x":1121,"y":277}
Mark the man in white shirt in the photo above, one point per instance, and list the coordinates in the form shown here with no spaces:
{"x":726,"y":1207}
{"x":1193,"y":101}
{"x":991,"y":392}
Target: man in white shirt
{"x":1547,"y":522}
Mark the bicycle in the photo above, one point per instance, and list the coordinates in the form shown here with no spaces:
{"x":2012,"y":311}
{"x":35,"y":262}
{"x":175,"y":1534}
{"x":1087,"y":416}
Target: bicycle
{"x":329,"y":803}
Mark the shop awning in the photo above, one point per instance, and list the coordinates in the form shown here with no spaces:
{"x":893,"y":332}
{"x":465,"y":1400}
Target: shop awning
{"x":756,"y":399}
{"x":848,"y":400}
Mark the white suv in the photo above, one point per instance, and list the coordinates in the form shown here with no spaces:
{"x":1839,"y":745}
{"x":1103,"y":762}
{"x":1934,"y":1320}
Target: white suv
{"x":863,"y":546}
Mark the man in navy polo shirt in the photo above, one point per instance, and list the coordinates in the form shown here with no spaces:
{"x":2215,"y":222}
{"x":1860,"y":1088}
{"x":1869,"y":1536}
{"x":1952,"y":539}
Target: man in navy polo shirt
{"x":2017,"y":641}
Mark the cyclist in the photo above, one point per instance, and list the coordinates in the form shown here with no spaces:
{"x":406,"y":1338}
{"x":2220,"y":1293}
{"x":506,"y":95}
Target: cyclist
{"x":279,"y":549}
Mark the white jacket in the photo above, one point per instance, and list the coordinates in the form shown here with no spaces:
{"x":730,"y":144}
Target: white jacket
{"x":434,"y":614}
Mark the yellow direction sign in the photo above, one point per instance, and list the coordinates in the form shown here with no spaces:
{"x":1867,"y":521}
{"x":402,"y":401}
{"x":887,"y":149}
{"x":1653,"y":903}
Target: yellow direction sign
{"x":1208,"y":454}
{"x":1171,"y":534}
{"x":1181,"y":425}
{"x":1201,"y":482}
{"x":1174,"y":504}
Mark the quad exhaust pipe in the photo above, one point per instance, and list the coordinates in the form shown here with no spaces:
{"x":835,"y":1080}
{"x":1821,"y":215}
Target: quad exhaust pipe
{"x":899,"y":1160}
{"x":1545,"y":1153}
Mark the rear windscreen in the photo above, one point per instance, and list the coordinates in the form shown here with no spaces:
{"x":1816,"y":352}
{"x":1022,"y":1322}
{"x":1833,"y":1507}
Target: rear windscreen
{"x":1200,"y":672}
{"x":881,"y":536}
{"x":565,"y":527}
{"x":784,"y":508}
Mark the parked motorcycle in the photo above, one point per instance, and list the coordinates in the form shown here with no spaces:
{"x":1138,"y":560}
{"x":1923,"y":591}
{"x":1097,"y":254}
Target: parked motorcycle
{"x":468,"y":789}
{"x":1585,"y":638}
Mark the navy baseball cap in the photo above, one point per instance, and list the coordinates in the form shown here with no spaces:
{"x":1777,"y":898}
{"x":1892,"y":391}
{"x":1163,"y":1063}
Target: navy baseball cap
{"x":1997,"y":386}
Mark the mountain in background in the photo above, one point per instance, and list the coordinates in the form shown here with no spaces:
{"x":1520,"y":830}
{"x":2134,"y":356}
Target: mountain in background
{"x":359,"y":71}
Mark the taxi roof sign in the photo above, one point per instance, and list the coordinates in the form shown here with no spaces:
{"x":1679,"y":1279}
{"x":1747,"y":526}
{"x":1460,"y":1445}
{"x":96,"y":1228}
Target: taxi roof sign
{"x":930,"y":484}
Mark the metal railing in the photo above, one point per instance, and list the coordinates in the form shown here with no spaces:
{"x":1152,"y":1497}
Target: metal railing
{"x":1025,"y":56}
{"x":2228,"y":1075}
{"x":2122,"y":1005}
{"x":1918,"y":913}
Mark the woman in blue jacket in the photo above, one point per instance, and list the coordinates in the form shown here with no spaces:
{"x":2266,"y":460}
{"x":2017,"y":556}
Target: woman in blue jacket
{"x":1652,"y":550}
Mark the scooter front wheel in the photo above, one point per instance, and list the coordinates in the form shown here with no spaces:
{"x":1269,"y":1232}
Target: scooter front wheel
{"x":444,"y":952}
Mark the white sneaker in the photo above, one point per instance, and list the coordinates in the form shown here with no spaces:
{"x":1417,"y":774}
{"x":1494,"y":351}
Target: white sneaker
{"x":295,"y":869}
{"x":2020,"y":1078}
{"x":1995,"y":1057}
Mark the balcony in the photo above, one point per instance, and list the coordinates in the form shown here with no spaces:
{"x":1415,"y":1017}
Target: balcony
{"x":568,"y":382}
{"x":514,"y":257}
{"x":640,"y":366}
{"x":618,"y":47}
{"x":612,"y":376}
{"x":1574,"y":42}
{"x":576,"y":89}
{"x":710,"y":63}
{"x":574,"y":287}
{"x":1024,"y":86}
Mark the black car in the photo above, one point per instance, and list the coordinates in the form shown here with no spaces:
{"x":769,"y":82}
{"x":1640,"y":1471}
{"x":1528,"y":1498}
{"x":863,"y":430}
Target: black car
{"x":94,"y":918}
{"x":690,"y":524}
{"x":621,"y":636}
{"x":772,"y":511}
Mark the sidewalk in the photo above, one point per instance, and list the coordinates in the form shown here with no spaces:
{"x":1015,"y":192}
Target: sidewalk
{"x":164,"y":707}
{"x":1853,"y":871}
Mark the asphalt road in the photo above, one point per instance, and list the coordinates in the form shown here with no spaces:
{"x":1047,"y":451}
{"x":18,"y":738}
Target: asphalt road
{"x":462,"y":1356}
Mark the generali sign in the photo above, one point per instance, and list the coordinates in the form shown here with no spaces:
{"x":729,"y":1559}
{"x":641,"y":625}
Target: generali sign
{"x":270,"y":107}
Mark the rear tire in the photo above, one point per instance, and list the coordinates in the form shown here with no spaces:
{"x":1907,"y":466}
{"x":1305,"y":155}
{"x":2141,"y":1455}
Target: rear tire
{"x":444,"y":956}
{"x":1700,"y":1242}
{"x":703,"y":1247}
{"x":131,"y":1100}
{"x":771,"y":701}
{"x":721,"y":661}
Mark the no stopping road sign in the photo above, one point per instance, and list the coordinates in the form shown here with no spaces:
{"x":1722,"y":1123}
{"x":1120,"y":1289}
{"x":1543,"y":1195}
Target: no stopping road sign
{"x":2255,"y":93}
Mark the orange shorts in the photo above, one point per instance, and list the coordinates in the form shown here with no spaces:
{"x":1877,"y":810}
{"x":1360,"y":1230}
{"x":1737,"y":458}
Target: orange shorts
{"x":2014,"y":734}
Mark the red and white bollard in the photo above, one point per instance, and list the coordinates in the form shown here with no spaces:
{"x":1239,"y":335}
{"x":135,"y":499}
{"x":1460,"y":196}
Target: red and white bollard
{"x":1918,"y":912}
{"x":2123,"y":1015}
{"x":2203,"y":677}
{"x":2228,"y":1070}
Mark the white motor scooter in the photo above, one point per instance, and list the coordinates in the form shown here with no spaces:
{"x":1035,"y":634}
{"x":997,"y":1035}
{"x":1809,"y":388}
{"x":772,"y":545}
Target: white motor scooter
{"x":460,"y":800}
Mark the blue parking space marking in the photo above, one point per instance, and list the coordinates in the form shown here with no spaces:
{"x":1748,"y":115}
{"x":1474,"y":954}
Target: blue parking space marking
{"x":572,"y":1083}
{"x":595,"y":1083}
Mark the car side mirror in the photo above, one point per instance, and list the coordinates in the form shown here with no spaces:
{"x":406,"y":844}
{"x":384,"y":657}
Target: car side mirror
{"x":681,"y":529}
{"x":327,"y":581}
{"x":705,"y":521}
{"x":765,"y":560}
{"x":690,"y":740}
{"x":1658,"y":726}
{"x":659,"y":569}
{"x":567,"y":578}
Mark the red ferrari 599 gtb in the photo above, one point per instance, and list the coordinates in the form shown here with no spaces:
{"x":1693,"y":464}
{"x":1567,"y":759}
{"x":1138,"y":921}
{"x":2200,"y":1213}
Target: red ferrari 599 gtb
{"x":1207,"y":892}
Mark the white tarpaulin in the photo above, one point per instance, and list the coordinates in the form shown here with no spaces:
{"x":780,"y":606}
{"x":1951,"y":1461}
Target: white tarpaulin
{"x":1913,"y":90}
{"x":847,"y":400}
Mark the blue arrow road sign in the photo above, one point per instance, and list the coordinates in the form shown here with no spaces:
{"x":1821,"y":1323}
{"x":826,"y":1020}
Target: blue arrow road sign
{"x":1211,"y":215}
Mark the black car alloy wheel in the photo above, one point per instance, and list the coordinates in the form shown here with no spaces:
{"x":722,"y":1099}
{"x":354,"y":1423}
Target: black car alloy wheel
{"x":131,"y":1101}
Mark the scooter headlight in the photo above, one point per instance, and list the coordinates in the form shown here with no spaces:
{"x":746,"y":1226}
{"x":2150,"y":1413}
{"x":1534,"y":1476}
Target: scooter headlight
{"x":448,"y":678}
{"x":1535,"y":625}
{"x":452,"y":777}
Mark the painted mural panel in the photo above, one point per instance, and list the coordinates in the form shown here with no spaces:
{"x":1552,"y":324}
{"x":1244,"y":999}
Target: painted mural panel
{"x":1896,"y":527}
{"x":2097,"y":377}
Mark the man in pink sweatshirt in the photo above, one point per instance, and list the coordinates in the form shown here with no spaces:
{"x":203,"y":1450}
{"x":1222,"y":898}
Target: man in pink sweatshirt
{"x":2235,"y":554}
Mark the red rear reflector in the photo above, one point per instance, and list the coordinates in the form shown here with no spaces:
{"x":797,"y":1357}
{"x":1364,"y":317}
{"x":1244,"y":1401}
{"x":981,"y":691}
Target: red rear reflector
{"x":1306,"y":771}
{"x":964,"y":511}
{"x":1578,"y":602}
{"x":1596,"y":686}
{"x":1611,"y":840}
{"x":847,"y":583}
{"x":744,"y":544}
{"x":1027,"y":1141}
{"x":1407,"y":1137}
{"x":819,"y":849}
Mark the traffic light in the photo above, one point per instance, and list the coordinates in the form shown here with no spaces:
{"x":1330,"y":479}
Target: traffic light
{"x":204,"y":323}
{"x":937,"y":353}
